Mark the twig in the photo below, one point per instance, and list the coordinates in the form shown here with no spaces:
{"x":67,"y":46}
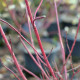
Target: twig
{"x":67,"y":43}
{"x":74,"y":68}
{"x":73,"y":42}
{"x":30,"y":72}
{"x":72,"y":46}
{"x":40,"y":17}
{"x":60,"y":38}
{"x":12,"y":54}
{"x":20,"y":35}
{"x":29,"y":28}
{"x":50,"y":52}
{"x":37,"y":9}
{"x":23,"y":38}
{"x":58,"y":72}
{"x":72,"y":64}
{"x":75,"y":74}
{"x":33,"y":58}
{"x":39,"y":40}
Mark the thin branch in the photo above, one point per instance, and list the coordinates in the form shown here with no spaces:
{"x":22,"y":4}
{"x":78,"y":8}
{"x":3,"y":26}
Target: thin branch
{"x":73,"y":68}
{"x":50,"y":52}
{"x":39,"y":40}
{"x":72,"y":46}
{"x":37,"y":9}
{"x":33,"y":58}
{"x":24,"y":39}
{"x":29,"y":28}
{"x":67,"y":43}
{"x":60,"y":38}
{"x":58,"y":72}
{"x":75,"y":74}
{"x":40,"y":17}
{"x":30,"y":72}
{"x":73,"y":42}
{"x":72,"y":64}
{"x":38,"y":58}
{"x":47,"y":71}
{"x":12,"y":53}
{"x":20,"y":35}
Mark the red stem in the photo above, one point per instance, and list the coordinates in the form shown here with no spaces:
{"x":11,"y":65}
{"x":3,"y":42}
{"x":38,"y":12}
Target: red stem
{"x":60,"y":38}
{"x":38,"y":58}
{"x":75,"y":74}
{"x":30,"y":72}
{"x":29,"y":28}
{"x":37,"y":9}
{"x":74,"y":42}
{"x":24,"y":39}
{"x":34,"y":58}
{"x":58,"y":72}
{"x":38,"y":39}
{"x":12,"y":54}
{"x":72,"y":46}
{"x":40,"y":17}
{"x":20,"y":36}
{"x":72,"y":68}
{"x":29,"y":11}
{"x":47,"y":71}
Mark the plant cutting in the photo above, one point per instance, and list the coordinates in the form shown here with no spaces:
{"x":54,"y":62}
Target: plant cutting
{"x":40,"y":59}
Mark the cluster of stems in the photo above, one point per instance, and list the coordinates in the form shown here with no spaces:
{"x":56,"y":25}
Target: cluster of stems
{"x":45,"y":74}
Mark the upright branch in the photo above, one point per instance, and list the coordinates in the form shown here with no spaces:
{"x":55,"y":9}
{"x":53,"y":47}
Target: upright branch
{"x":73,"y":42}
{"x":38,"y":39}
{"x":29,"y":27}
{"x":34,"y":59}
{"x":12,"y":54}
{"x":70,"y":51}
{"x":32,"y":42}
{"x":60,"y":38}
{"x":37,"y":9}
{"x":75,"y":74}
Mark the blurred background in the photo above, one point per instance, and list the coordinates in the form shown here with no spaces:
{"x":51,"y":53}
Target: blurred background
{"x":14,"y":12}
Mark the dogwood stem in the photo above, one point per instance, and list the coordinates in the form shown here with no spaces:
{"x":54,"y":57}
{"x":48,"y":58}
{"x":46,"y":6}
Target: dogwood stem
{"x":12,"y":54}
{"x":60,"y":38}
{"x":39,"y":41}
